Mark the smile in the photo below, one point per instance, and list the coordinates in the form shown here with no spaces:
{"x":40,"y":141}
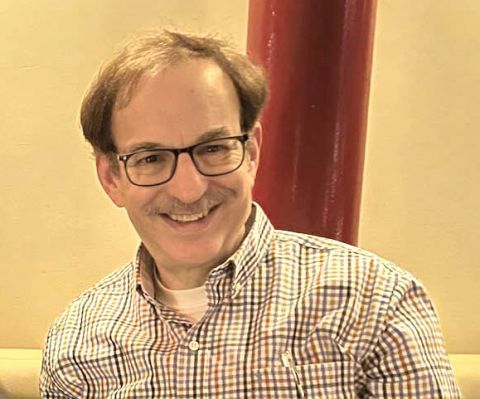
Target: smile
{"x":189,"y":217}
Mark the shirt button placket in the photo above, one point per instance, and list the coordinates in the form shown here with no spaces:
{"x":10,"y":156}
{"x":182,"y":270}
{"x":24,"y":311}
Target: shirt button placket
{"x":187,"y":370}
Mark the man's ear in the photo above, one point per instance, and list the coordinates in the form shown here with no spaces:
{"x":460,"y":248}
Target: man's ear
{"x":110,"y":179}
{"x":253,"y":148}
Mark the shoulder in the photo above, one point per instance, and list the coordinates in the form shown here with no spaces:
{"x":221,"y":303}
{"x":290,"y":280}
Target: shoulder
{"x":100,"y":300}
{"x":338,"y":263}
{"x":369,"y":291}
{"x":116,"y":283}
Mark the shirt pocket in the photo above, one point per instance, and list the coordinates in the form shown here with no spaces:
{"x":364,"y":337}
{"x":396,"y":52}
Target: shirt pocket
{"x":322,"y":380}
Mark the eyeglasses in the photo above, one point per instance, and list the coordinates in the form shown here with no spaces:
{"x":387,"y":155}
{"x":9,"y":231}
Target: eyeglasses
{"x":211,"y":158}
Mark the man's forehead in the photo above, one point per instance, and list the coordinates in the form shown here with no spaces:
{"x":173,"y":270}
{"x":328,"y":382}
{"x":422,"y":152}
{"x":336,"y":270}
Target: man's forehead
{"x":200,"y":70}
{"x":179,"y":88}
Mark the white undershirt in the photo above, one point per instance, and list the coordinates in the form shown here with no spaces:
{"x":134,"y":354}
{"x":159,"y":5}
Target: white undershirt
{"x":191,"y":303}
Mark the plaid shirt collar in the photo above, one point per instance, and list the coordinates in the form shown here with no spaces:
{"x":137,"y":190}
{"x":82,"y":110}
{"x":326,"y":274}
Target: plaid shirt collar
{"x":243,"y":261}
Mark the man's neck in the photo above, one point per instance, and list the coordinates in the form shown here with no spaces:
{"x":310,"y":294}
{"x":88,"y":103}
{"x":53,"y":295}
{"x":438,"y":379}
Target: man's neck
{"x":183,"y":278}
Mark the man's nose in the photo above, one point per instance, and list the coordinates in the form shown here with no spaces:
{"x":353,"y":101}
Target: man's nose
{"x":187,"y":184}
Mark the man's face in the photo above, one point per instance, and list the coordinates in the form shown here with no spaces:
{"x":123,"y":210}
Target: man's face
{"x":192,"y":220}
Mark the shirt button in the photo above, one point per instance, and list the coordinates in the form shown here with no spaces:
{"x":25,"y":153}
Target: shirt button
{"x":193,"y":345}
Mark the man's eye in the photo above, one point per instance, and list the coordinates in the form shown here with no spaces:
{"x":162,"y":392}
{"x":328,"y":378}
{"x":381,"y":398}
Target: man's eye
{"x":150,"y":159}
{"x":213,"y":149}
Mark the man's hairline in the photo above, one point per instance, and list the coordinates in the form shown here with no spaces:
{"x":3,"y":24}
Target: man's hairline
{"x":126,"y":93}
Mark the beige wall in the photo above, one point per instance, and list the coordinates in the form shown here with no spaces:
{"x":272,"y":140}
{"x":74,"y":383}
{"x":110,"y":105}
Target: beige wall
{"x":421,"y":185}
{"x":60,"y":232}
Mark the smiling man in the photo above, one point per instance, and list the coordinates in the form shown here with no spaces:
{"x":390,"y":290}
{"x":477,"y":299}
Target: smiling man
{"x":217,"y":303}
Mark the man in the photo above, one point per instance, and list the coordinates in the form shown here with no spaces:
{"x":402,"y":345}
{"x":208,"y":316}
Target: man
{"x":217,"y":303}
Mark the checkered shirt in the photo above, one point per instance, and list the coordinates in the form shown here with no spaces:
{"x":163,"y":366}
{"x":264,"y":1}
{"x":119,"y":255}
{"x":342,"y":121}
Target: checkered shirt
{"x":289,"y":316}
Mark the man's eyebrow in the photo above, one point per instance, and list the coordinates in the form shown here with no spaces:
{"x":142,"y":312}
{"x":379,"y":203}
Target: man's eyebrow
{"x":214,"y":134}
{"x":147,"y":145}
{"x":208,"y":135}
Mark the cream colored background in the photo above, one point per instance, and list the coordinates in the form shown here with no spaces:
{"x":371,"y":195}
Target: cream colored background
{"x":421,"y":191}
{"x":60,"y":233}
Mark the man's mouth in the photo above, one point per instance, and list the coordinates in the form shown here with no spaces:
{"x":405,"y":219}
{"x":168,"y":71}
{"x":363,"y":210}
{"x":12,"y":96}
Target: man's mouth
{"x":189,"y":217}
{"x":193,"y":217}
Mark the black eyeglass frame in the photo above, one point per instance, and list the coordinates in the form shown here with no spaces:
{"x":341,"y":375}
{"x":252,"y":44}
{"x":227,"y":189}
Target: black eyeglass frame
{"x":177,"y":151}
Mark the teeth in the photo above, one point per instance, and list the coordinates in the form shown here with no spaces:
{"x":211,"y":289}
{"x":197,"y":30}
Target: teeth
{"x":187,"y":218}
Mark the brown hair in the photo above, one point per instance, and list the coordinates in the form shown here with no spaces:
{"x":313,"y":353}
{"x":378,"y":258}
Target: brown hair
{"x":119,"y":76}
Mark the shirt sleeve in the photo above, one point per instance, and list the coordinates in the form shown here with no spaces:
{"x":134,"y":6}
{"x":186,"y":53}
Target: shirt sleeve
{"x":54,"y":382}
{"x":409,"y":360}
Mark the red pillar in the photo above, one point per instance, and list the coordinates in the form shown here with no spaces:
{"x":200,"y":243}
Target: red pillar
{"x":317,"y":55}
